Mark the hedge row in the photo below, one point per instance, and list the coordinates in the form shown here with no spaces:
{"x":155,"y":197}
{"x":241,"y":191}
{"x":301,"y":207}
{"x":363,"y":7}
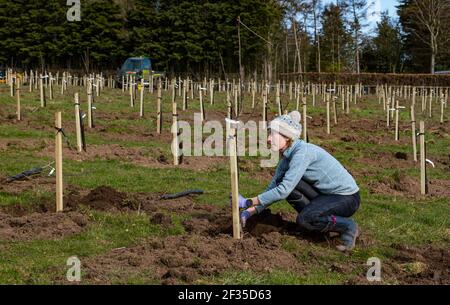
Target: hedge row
{"x":372,"y":79}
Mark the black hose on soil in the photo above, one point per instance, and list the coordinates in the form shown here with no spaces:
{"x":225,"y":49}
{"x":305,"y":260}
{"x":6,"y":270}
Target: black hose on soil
{"x":181,"y":194}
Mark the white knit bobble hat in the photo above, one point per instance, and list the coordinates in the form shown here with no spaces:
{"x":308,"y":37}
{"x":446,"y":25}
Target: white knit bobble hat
{"x":287,"y":125}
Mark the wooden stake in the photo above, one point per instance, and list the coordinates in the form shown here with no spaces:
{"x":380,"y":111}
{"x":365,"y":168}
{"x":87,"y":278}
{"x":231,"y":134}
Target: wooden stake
{"x":89,"y":94}
{"x":423,"y":174}
{"x":229,"y":110}
{"x":388,"y":112}
{"x":184,"y":95}
{"x":42,"y":92}
{"x":175,"y":142}
{"x":430,"y":103}
{"x":132,"y":86}
{"x":18,"y":101}
{"x":50,"y":89}
{"x":236,"y":101}
{"x":159,"y":108}
{"x":347,"y":111}
{"x":202,"y":110}
{"x":413,"y":131}
{"x":328,"y":113}
{"x":304,"y":120}
{"x":396,"y":120}
{"x":334,"y":110}
{"x":278,"y":99}
{"x":78,"y":123}
{"x":30,"y":81}
{"x":58,"y":162}
{"x":264,"y":106}
{"x":253,"y":94}
{"x":141,"y":101}
{"x":62,"y":83}
{"x":211,"y":91}
{"x":234,"y":183}
{"x":11,"y":84}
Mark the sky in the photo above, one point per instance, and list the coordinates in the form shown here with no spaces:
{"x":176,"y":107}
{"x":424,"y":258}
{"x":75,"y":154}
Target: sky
{"x":375,"y":10}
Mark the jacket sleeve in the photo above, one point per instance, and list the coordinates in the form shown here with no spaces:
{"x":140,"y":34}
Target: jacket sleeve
{"x":297,"y":167}
{"x":276,"y":176}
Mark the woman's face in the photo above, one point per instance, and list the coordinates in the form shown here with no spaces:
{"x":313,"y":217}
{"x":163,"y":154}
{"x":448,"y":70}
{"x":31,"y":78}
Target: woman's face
{"x":277,"y":141}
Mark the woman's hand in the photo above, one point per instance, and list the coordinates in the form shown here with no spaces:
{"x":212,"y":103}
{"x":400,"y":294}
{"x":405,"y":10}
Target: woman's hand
{"x":243,"y":202}
{"x":246,"y":215}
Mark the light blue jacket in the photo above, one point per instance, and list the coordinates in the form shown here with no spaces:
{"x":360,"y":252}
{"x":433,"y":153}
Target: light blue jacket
{"x":315,"y":165}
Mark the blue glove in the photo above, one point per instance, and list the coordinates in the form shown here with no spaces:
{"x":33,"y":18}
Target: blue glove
{"x":243,"y":202}
{"x":244,"y":216}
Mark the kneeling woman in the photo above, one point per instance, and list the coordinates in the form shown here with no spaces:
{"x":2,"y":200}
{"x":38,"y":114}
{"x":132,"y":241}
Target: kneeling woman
{"x":321,"y":190}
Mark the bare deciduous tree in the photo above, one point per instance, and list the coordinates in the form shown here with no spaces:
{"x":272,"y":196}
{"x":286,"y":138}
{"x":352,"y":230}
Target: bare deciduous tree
{"x":434,"y":15}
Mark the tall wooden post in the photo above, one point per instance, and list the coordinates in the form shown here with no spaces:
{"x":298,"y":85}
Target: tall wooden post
{"x":430,"y":104}
{"x":347,"y":111}
{"x":50,"y":89}
{"x":388,"y":111}
{"x":314,"y":95}
{"x":78,"y":123}
{"x":41,"y":90}
{"x":211,"y":91}
{"x":202,"y":109}
{"x":328,"y":113}
{"x":234,"y":182}
{"x":305,"y":134}
{"x":236,"y":101}
{"x":335,"y":110}
{"x":132,"y":86}
{"x":159,"y":108}
{"x":11,"y":85}
{"x":278,"y":99}
{"x":18,"y":101}
{"x":253,"y":94}
{"x":89,"y":94}
{"x":423,"y":174}
{"x":141,"y":101}
{"x":62,"y":83}
{"x":175,"y":140}
{"x":396,"y":120}
{"x":151,"y":81}
{"x":31,"y":80}
{"x":184,"y":95}
{"x":413,"y":132}
{"x":58,"y":162}
{"x":264,"y":105}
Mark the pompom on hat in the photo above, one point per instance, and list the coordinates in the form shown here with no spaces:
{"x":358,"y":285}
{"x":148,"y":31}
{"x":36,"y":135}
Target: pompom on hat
{"x":287,"y":125}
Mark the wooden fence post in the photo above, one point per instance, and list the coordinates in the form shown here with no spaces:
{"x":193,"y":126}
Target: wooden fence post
{"x":423,"y":174}
{"x":58,"y":162}
{"x":305,"y":135}
{"x":175,"y":140}
{"x":159,"y":108}
{"x":328,"y":113}
{"x":18,"y":101}
{"x":141,"y":100}
{"x":413,"y":131}
{"x":78,"y":122}
{"x":234,"y":180}
{"x":42,"y":92}
{"x":89,"y":94}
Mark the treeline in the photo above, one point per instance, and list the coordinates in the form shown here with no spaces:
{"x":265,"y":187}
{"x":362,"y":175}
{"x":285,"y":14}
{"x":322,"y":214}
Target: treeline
{"x":201,"y":37}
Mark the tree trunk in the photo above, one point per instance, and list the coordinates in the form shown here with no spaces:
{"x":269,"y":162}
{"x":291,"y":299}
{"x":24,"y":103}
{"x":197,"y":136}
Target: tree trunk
{"x":297,"y":46}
